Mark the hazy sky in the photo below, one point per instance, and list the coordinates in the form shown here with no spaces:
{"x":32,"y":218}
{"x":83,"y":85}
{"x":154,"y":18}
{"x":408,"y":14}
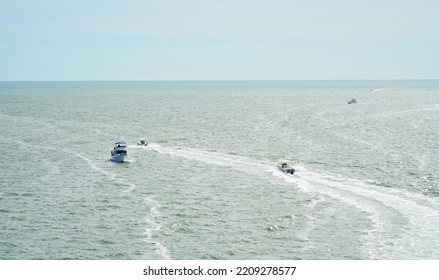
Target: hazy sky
{"x":219,"y":39}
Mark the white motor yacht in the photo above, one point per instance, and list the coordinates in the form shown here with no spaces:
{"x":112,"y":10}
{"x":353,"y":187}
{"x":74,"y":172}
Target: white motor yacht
{"x":119,"y":151}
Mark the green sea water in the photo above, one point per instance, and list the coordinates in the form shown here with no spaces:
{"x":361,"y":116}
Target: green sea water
{"x":207,"y":186}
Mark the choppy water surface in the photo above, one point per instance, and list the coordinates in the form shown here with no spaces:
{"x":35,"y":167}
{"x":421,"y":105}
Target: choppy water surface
{"x":207,"y":187}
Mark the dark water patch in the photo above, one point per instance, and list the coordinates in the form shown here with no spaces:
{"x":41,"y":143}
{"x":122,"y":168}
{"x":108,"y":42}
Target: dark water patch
{"x":116,"y":256}
{"x":106,"y":242}
{"x":211,"y":256}
{"x":104,"y":226}
{"x":90,"y":249}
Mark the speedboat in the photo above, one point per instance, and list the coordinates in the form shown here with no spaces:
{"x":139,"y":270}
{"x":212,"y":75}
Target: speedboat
{"x":352,"y":101}
{"x":142,"y":142}
{"x":119,"y":151}
{"x":285,"y":167}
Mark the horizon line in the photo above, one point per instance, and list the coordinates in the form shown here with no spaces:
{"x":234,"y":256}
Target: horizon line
{"x":227,"y":80}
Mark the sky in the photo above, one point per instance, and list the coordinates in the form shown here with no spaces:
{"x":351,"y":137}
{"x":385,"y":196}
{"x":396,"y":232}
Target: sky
{"x":218,"y":39}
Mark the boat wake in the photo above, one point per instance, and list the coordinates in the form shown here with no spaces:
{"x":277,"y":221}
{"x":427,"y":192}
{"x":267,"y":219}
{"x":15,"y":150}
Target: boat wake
{"x":402,"y":224}
{"x":215,"y":158}
{"x":382,"y":89}
{"x":153,"y":205}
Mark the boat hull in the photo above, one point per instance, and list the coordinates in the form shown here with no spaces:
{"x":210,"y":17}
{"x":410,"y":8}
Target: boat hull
{"x":118,"y":157}
{"x":288,"y":170}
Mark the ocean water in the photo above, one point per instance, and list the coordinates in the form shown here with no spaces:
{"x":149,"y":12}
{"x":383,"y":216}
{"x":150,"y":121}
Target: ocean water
{"x":206,"y":186}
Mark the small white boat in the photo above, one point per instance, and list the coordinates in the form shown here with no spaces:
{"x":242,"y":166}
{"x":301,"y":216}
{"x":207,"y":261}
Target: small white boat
{"x":142,"y":142}
{"x":353,"y":101}
{"x":285,"y":167}
{"x":119,"y":151}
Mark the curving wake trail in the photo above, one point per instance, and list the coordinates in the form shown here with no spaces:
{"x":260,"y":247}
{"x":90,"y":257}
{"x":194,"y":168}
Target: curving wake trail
{"x":154,"y":206}
{"x":402,"y":224}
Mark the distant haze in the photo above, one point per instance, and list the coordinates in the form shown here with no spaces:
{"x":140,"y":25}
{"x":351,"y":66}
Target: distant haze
{"x":219,"y":40}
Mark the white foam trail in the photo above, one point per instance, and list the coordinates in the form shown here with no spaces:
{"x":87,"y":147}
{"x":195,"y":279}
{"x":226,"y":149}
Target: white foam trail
{"x":153,"y":227}
{"x":149,"y":231}
{"x":373,"y":236}
{"x":112,"y":176}
{"x":417,"y":237}
{"x":421,"y":232}
{"x":94,"y":166}
{"x":382,"y":89}
{"x":234,"y":161}
{"x":154,"y":207}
